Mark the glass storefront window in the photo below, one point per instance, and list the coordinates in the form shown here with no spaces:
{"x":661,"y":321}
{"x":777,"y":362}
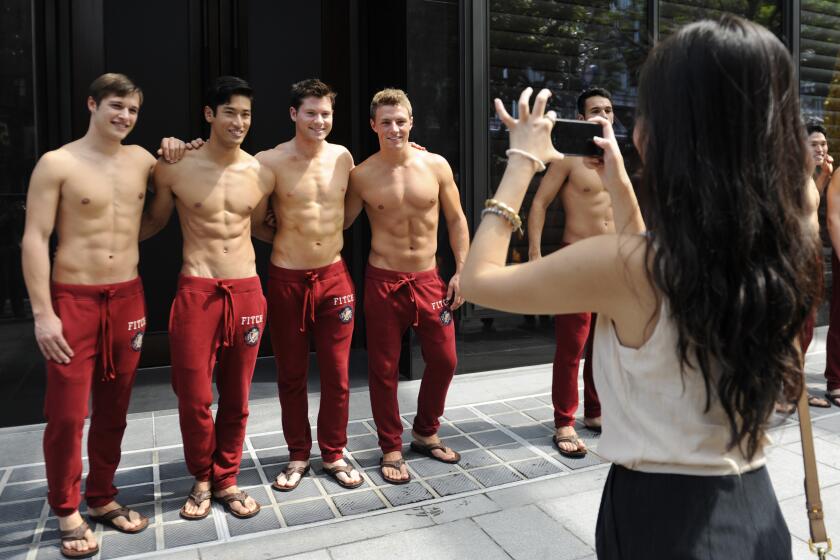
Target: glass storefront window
{"x":673,"y":14}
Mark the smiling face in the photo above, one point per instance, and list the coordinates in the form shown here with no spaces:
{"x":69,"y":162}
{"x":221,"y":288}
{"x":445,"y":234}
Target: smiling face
{"x":313,"y":119}
{"x":818,"y":146}
{"x":231,"y":120}
{"x":115,"y":116}
{"x":392,"y":125}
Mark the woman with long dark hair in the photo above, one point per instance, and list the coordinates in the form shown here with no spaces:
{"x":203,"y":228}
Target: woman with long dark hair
{"x":699,"y":305}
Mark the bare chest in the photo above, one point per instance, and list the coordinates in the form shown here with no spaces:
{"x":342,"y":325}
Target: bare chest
{"x":232,"y":191}
{"x":405,"y":193}
{"x":302,"y":184}
{"x":584,"y":182}
{"x":91,"y":190}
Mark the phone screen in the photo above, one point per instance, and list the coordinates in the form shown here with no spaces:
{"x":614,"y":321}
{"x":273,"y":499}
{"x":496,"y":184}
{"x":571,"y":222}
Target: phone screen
{"x":574,"y":138}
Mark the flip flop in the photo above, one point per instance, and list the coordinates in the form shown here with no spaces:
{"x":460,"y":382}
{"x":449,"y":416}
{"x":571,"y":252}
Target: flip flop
{"x":816,"y":402}
{"x":833,"y":397}
{"x":77,"y":534}
{"x":577,"y":454}
{"x":198,"y":497}
{"x":427,"y":448}
{"x":288,"y":474}
{"x":333,"y":473}
{"x":107,"y":519}
{"x":241,"y":496}
{"x":596,"y":429}
{"x":397,"y":465}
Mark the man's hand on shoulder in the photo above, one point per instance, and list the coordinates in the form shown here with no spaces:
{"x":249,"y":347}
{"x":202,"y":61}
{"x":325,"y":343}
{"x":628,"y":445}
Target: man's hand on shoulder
{"x":173,"y":149}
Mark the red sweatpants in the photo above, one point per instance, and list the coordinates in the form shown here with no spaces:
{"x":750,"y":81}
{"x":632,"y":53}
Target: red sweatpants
{"x":393,"y":302}
{"x":832,"y":342}
{"x":573,"y":332}
{"x":209,"y":316}
{"x":104,"y":325}
{"x":319,"y":302}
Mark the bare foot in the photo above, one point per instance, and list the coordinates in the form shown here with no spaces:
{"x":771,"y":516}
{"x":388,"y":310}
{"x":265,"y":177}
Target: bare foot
{"x":71,"y":522}
{"x":291,"y":480}
{"x":193,"y":509}
{"x":448,"y":455}
{"x":392,"y":473}
{"x":135,"y":520}
{"x":352,"y":478}
{"x":593,"y":424}
{"x":250,"y":504}
{"x":568,"y":446}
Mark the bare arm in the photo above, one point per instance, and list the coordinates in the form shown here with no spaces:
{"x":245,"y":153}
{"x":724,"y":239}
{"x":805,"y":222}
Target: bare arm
{"x":605,"y":274}
{"x":550,"y":185}
{"x":833,"y":212}
{"x":159,"y":209}
{"x":353,"y":202}
{"x":826,"y":173}
{"x":456,"y":225}
{"x":41,"y":208}
{"x":259,"y":226}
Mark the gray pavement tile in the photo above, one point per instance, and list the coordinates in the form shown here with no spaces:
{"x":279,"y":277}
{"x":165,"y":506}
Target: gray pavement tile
{"x":452,"y":484}
{"x":24,"y":491}
{"x":314,"y":555}
{"x":18,"y":533}
{"x":587,"y":460}
{"x":367,"y":458}
{"x":133,"y":476}
{"x":138,"y":494}
{"x":429,"y":467}
{"x":476,"y":458}
{"x":247,"y":462}
{"x":793,"y":510}
{"x":136,"y":459}
{"x":786,"y":472}
{"x":333,"y":487}
{"x":375,"y":476}
{"x":512,"y":418}
{"x":357,"y":502}
{"x":49,"y":553}
{"x":446,"y":429}
{"x":167,"y":431}
{"x":16,"y":554}
{"x":460,"y":508}
{"x":512,"y":452}
{"x":27,"y":446}
{"x":495,"y":476}
{"x":306,"y":489}
{"x":50,"y":532}
{"x":361,"y":443}
{"x":171,"y":455}
{"x":21,"y":511}
{"x":470,"y":426}
{"x":138,"y":435}
{"x":173,"y":470}
{"x":176,"y":488}
{"x":358,"y":429}
{"x":263,"y":423}
{"x":248,"y":478}
{"x":535,"y":468}
{"x":114,"y":545}
{"x":526,"y":403}
{"x":546,"y":399}
{"x":306,"y":512}
{"x":459,"y":443}
{"x":527,"y":533}
{"x":411,"y":493}
{"x":408,"y":419}
{"x":492,"y":438}
{"x":542,"y":490}
{"x":265,"y":520}
{"x":456,"y":414}
{"x":541,"y":414}
{"x":532,"y":431}
{"x":26,"y":474}
{"x":459,"y":539}
{"x":267,"y":441}
{"x":273,"y":456}
{"x":184,"y":533}
{"x":578,"y":513}
{"x":493,"y":408}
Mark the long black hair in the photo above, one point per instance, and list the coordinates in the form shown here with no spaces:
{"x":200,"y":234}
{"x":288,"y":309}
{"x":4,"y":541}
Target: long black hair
{"x":724,"y":192}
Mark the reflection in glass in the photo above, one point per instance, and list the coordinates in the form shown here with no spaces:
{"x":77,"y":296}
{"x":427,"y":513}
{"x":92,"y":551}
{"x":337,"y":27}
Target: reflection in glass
{"x":673,"y":14}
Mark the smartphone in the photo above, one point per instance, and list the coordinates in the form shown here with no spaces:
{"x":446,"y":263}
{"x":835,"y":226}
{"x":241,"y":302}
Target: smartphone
{"x":574,"y":138}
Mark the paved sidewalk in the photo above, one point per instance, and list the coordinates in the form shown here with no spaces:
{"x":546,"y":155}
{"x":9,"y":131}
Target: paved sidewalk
{"x":512,"y":496}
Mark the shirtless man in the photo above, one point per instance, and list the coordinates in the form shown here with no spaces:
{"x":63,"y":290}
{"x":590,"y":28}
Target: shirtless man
{"x":91,"y":193}
{"x":219,"y":306}
{"x":832,"y":340}
{"x":823,"y":162}
{"x":403,"y":192}
{"x":588,"y":212}
{"x":310,"y":292}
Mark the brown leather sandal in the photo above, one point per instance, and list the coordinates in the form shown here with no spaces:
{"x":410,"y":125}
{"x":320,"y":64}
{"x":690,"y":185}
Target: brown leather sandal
{"x":241,"y":496}
{"x":77,"y":534}
{"x":288,"y":474}
{"x":107,"y":519}
{"x":577,"y":453}
{"x":198,"y":497}
{"x":427,"y":448}
{"x":333,"y":473}
{"x":397,"y":465}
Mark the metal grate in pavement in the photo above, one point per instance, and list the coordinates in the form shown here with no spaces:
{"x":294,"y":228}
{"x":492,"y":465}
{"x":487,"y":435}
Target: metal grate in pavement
{"x":306,"y":512}
{"x":358,"y":502}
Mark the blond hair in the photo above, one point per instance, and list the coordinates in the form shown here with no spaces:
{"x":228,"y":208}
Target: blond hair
{"x":389,"y":96}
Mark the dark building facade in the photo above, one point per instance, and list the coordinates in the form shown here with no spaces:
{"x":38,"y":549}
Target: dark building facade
{"x":452,"y":58}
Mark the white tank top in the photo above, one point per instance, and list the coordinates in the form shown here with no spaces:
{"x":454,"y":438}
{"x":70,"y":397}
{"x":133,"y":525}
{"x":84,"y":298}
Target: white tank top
{"x":651,"y":421}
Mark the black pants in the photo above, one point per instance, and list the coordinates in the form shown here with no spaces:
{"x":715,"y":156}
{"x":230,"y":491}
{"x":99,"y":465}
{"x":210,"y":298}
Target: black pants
{"x":670,"y":516}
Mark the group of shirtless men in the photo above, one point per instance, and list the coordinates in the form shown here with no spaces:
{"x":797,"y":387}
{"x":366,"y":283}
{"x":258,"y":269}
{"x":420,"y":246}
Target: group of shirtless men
{"x":89,"y":308}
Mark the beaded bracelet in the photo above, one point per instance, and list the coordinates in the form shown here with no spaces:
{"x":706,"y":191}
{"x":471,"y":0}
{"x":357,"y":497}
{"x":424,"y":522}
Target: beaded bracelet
{"x":498,"y":208}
